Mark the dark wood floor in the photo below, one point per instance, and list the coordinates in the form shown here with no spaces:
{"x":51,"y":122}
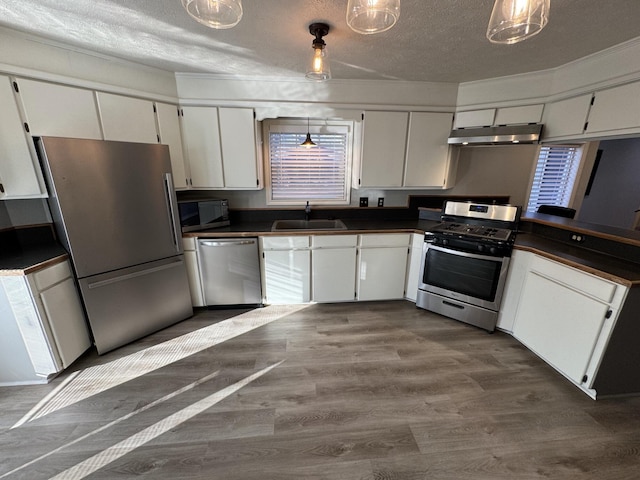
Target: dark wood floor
{"x":363,"y":391}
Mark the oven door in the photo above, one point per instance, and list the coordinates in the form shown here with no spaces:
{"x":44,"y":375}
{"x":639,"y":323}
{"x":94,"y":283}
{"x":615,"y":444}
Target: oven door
{"x":472,"y":278}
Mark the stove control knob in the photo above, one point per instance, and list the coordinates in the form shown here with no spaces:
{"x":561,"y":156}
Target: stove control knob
{"x":481,"y":248}
{"x":493,"y":250}
{"x":445,"y":241}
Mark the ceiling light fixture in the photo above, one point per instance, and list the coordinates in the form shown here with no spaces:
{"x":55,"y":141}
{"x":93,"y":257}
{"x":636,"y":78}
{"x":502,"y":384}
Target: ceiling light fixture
{"x":319,"y":68}
{"x":308,"y":142}
{"x":219,"y":14}
{"x":372,"y":16}
{"x":515,"y":20}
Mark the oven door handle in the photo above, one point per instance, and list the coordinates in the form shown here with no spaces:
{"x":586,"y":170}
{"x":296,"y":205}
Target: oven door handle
{"x":460,"y":253}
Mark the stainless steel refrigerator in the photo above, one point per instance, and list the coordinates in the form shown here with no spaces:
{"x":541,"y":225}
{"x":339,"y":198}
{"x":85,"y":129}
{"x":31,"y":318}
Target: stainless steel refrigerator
{"x":114,"y":209}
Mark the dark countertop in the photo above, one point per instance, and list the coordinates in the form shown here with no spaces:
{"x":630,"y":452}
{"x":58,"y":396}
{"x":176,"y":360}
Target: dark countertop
{"x":354,"y":226}
{"x":604,"y":266}
{"x":29,"y":249}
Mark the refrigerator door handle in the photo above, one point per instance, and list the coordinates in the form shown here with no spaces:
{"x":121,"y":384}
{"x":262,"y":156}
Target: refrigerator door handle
{"x":168,"y":187}
{"x":223,"y":243}
{"x":129,"y":276}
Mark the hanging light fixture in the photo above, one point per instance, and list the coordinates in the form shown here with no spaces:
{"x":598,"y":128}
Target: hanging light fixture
{"x":372,"y":16}
{"x":319,"y":68}
{"x":219,"y":14}
{"x":308,"y":142}
{"x":515,"y":20}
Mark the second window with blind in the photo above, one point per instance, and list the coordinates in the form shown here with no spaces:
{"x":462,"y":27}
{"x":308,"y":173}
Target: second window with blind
{"x":319,"y":174}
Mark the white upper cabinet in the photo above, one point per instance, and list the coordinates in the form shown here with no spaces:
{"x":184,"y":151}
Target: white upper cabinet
{"x":428,"y":154}
{"x":616,"y":108}
{"x":127,"y":119}
{"x":20,"y":175}
{"x":238,"y":142}
{"x":519,"y":115}
{"x":383,"y":149}
{"x":475,"y":118}
{"x":565,"y":118}
{"x":499,"y":116}
{"x":202,"y":146}
{"x":169,"y":132}
{"x":58,"y":110}
{"x":406,"y":150}
{"x":220,"y":145}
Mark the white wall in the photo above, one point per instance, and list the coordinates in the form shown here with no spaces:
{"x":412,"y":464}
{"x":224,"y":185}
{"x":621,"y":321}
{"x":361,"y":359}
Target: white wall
{"x":26,"y":56}
{"x":496,"y":170}
{"x":615,"y":192}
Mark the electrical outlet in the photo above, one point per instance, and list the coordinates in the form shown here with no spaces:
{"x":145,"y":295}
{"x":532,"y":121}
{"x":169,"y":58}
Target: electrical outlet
{"x":381,"y":201}
{"x":364,"y":201}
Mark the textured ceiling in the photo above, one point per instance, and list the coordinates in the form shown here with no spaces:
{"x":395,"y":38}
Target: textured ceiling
{"x":435,"y":40}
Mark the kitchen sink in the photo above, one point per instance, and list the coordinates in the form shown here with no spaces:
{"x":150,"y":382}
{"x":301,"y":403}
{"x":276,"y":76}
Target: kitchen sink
{"x":284,"y":225}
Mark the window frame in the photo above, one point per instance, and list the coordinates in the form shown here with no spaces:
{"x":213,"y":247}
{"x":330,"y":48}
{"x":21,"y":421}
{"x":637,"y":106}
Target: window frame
{"x":314,"y":126}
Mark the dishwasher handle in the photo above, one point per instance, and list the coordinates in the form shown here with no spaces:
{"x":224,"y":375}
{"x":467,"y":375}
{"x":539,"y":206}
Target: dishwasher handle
{"x":225,"y":243}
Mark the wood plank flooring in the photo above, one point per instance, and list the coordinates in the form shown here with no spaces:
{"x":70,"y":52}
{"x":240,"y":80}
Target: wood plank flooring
{"x":358,"y":391}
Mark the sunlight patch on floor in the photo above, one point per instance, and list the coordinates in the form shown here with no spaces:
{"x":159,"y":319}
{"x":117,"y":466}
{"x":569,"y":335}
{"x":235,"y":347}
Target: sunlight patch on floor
{"x":100,"y":378}
{"x":122,"y":448}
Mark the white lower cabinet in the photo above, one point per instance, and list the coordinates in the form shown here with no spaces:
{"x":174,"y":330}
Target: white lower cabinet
{"x":518,"y":266}
{"x":43,"y":329}
{"x":382,"y":266}
{"x":286,"y":268}
{"x":413,"y":267}
{"x":193,"y":271}
{"x":566,"y":317}
{"x":333,"y":268}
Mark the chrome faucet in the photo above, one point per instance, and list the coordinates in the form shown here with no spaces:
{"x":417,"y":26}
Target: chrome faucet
{"x":307,"y":212}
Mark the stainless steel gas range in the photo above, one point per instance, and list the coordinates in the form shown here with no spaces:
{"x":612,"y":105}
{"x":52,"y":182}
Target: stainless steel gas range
{"x":465,"y":259}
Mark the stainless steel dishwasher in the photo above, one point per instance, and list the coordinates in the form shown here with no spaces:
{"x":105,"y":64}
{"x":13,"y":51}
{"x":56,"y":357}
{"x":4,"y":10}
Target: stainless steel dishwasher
{"x":230,"y":271}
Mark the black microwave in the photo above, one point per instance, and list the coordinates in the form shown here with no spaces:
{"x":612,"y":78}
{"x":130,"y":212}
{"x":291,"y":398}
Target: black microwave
{"x":203,"y":214}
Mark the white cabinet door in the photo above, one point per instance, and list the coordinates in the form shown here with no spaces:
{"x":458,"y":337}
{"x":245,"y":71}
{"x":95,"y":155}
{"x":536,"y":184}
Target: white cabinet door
{"x":333,"y":268}
{"x":66,"y":319}
{"x":383,"y":149}
{"x":475,"y":118}
{"x":615,"y":108}
{"x":518,"y":267}
{"x":560,"y":324}
{"x":413,"y":267}
{"x":565,"y":118}
{"x":287,"y":276}
{"x":59,"y":111}
{"x":20,"y":175}
{"x":201,"y":135}
{"x":382,"y":266}
{"x":127,"y":119}
{"x":238,"y":143}
{"x":427,"y":160}
{"x":169,"y":131}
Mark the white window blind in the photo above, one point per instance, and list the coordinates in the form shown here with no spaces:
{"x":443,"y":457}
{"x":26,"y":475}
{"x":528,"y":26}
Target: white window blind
{"x":317,"y":174}
{"x":555,"y":176}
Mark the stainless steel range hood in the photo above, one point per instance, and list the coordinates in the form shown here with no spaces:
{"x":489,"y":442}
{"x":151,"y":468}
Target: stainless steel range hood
{"x":503,"y":135}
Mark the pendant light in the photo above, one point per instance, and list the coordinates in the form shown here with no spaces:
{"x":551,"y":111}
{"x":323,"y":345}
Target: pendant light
{"x":513,"y":21}
{"x":372,"y":16}
{"x":308,"y":142}
{"x":219,"y":14}
{"x":319,"y":68}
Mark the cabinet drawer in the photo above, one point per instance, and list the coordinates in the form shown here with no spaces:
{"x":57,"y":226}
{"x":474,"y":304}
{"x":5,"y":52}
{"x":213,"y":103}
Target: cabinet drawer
{"x":280,"y":243}
{"x":331,"y":241}
{"x":384,"y":240}
{"x":51,"y":275}
{"x":591,"y":285}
